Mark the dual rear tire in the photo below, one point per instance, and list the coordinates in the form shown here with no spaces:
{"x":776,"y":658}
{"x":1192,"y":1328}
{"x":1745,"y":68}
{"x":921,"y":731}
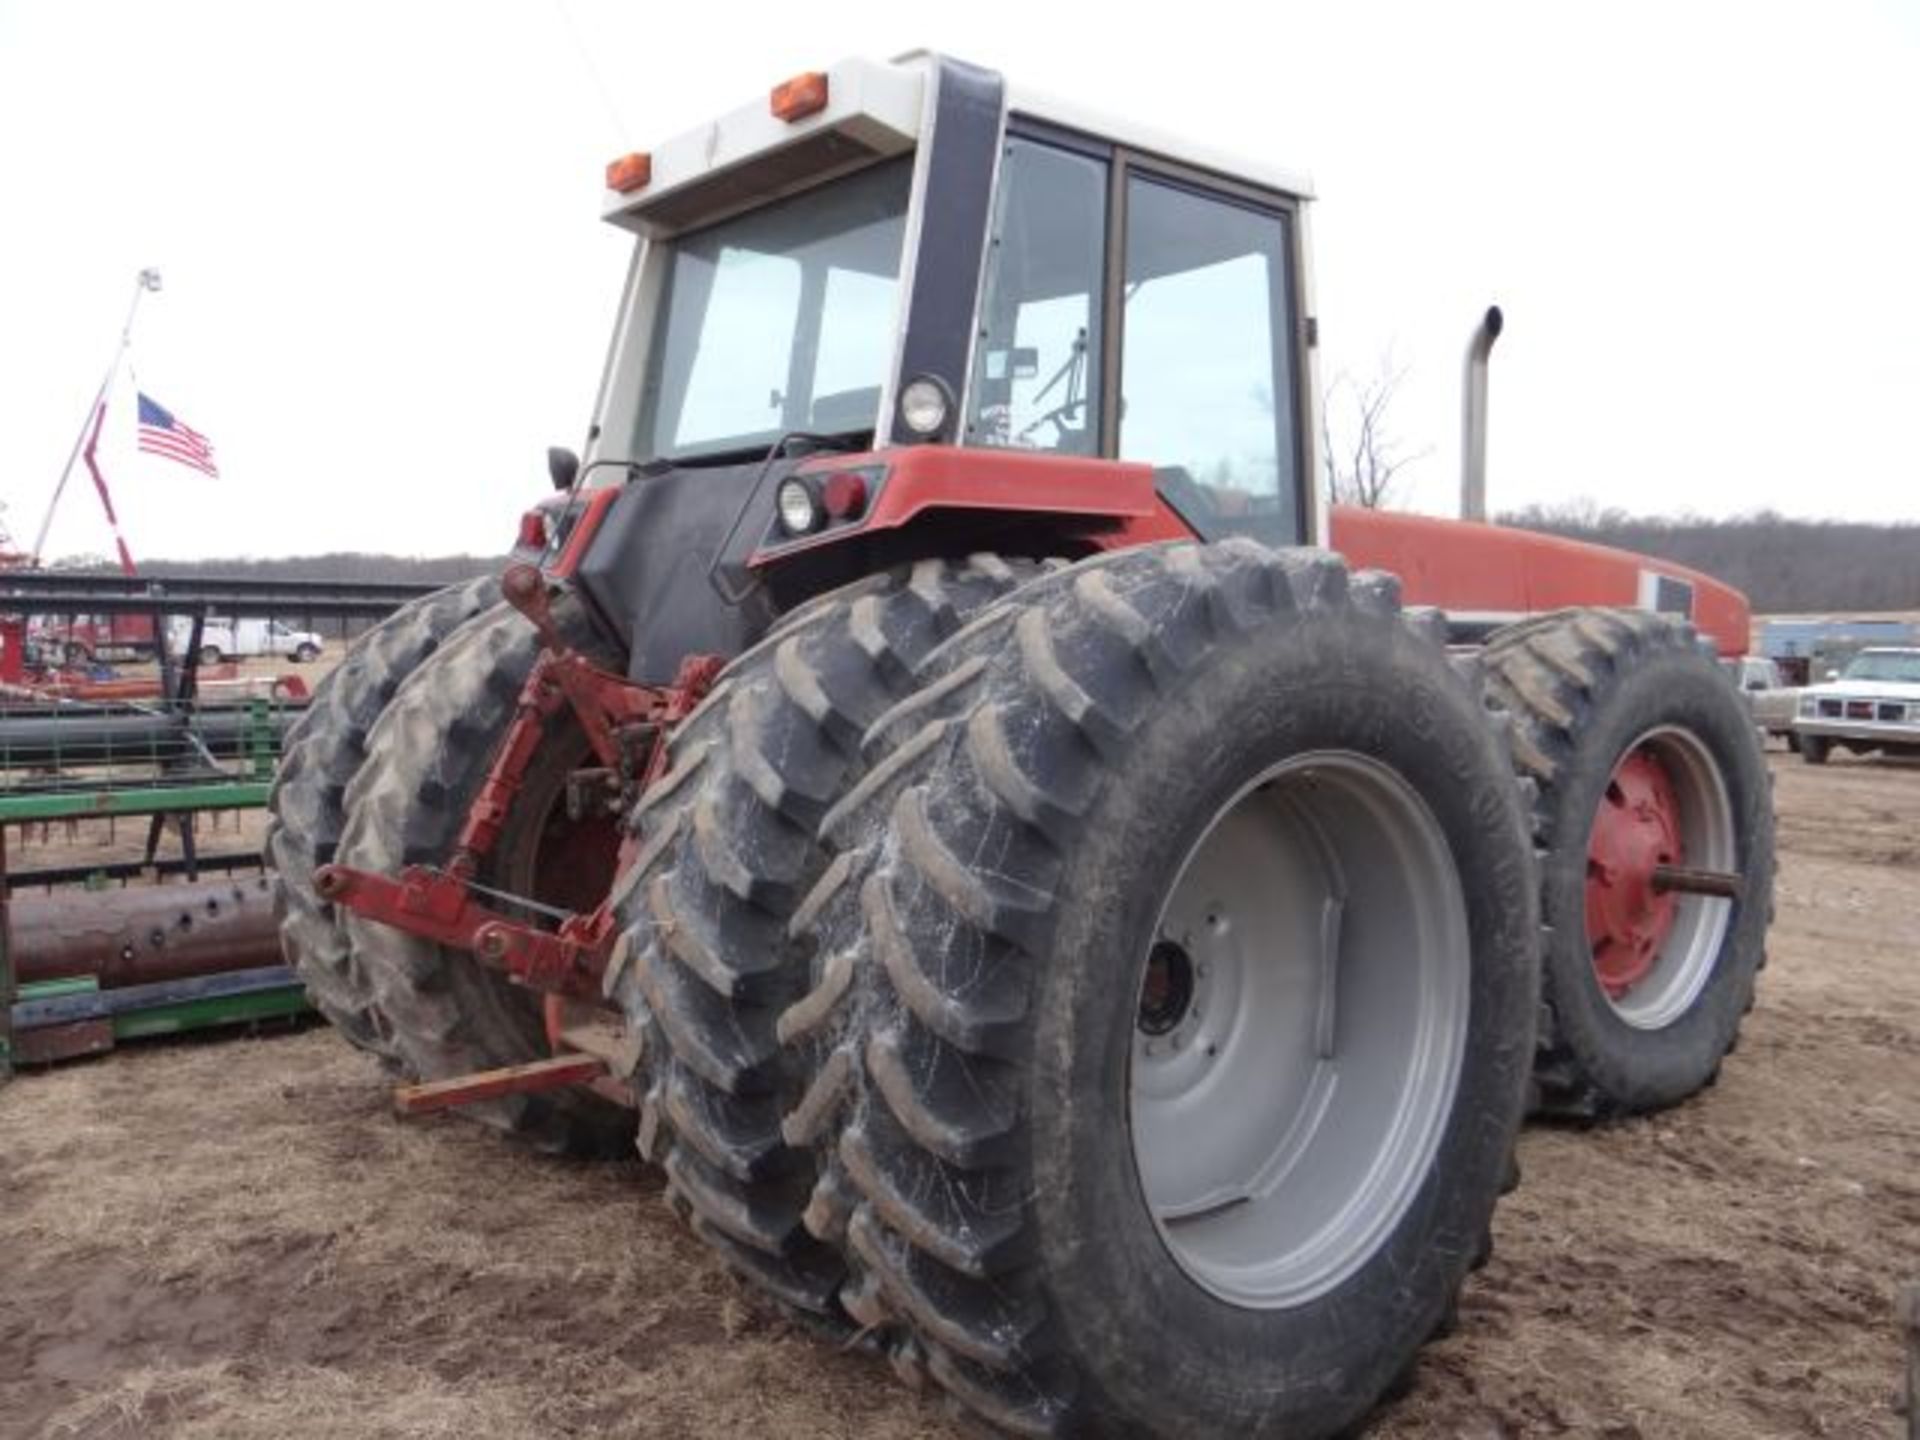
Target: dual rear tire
{"x":1158,"y":832}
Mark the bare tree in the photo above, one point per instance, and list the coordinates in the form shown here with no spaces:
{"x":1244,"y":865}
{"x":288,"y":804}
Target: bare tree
{"x":1363,"y":466}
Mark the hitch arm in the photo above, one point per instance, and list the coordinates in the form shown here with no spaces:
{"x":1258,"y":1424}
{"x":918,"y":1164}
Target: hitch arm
{"x":438,"y":906}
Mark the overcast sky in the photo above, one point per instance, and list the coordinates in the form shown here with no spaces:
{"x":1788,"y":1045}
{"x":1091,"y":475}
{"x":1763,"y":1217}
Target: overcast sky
{"x":387,"y":289}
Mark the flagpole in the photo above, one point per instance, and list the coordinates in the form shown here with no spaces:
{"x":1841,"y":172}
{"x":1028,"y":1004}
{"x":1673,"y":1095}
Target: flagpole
{"x":148,"y":279}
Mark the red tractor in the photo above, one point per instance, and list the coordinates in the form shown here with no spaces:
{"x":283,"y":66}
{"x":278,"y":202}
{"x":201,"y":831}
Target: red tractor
{"x":1059,"y":902}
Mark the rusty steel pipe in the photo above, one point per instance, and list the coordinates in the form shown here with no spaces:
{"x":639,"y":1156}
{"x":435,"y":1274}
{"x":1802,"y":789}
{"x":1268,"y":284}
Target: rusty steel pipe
{"x":1688,"y":881}
{"x":143,"y":933}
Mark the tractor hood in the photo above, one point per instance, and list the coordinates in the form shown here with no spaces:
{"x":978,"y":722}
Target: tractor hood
{"x":646,"y":569}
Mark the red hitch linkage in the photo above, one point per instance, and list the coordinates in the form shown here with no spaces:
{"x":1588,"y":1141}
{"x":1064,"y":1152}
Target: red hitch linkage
{"x":439,"y":905}
{"x":624,"y":721}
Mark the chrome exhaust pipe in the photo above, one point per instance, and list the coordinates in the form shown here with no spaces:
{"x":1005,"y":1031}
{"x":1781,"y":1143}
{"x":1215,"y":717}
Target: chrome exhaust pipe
{"x":1473,"y":417}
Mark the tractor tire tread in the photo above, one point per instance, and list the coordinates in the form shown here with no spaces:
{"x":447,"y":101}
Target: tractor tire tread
{"x":426,"y":755}
{"x":306,"y":807}
{"x":727,"y":854}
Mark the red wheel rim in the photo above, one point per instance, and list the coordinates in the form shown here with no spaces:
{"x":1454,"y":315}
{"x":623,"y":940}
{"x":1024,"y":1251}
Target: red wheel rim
{"x":1636,"y":830}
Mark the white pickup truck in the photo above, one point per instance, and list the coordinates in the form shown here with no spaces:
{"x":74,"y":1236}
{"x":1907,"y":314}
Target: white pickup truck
{"x":1769,"y":696}
{"x":238,"y":639}
{"x":1871,"y":706}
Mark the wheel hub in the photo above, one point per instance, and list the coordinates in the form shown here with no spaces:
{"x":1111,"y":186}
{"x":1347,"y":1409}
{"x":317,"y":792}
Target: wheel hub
{"x":1637,"y":830}
{"x":1167,"y":993}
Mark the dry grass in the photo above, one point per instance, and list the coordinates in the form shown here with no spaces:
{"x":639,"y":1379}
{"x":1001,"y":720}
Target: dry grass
{"x":235,"y":1239}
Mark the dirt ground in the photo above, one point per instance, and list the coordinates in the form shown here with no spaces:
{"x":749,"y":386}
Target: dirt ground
{"x":236,"y":1239}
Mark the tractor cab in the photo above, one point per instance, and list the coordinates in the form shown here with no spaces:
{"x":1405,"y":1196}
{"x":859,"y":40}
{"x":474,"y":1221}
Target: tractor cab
{"x":883,"y":258}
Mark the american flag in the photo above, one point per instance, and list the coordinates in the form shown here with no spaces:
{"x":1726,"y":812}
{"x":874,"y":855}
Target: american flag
{"x":162,"y":435}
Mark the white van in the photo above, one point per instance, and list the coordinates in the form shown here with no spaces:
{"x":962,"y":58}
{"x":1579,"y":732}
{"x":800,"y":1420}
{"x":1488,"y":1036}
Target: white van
{"x":222,"y":639}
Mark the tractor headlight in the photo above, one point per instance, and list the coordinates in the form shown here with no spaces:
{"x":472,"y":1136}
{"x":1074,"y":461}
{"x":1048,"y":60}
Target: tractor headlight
{"x":924,"y":407}
{"x":799,"y":510}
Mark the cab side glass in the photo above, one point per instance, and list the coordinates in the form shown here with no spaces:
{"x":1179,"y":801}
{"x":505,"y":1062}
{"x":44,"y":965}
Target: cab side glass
{"x":1207,"y":383}
{"x":1036,"y":367}
{"x":736,"y":388}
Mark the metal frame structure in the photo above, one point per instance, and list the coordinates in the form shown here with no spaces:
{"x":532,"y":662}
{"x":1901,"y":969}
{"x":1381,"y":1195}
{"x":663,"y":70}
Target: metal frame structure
{"x":167,"y":758}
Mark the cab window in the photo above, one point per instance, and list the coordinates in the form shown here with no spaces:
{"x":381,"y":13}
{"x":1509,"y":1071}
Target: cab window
{"x":1200,"y":300}
{"x":1036,"y":368}
{"x":1206,"y":371}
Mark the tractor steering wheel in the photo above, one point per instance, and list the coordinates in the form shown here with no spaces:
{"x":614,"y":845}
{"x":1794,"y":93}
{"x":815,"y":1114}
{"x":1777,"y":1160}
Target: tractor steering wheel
{"x":1055,"y":417}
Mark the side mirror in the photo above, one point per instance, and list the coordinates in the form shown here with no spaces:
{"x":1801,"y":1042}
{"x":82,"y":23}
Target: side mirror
{"x":1756,"y":684}
{"x":1831,"y":675}
{"x":562,"y":466}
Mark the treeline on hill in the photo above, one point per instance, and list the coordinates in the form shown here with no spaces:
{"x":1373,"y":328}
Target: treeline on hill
{"x":1783,"y":565}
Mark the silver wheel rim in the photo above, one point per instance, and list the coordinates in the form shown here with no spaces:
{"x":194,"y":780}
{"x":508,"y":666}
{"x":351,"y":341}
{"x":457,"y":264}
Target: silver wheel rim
{"x":1691,"y":951}
{"x":1300,"y":1030}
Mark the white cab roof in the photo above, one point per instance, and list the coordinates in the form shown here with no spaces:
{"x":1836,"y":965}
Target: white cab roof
{"x":1134,"y":136}
{"x":872,"y":110}
{"x":875,"y":109}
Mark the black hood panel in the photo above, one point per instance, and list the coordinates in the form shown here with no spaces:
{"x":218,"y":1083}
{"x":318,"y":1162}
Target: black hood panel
{"x":646,"y":569}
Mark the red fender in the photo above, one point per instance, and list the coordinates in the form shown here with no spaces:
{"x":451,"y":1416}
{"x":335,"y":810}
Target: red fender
{"x":1115,"y":499}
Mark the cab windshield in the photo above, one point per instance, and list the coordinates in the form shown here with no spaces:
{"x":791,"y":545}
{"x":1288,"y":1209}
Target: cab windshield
{"x":778,"y":320}
{"x":1897,"y":665}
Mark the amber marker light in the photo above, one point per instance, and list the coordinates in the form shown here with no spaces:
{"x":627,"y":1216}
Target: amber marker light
{"x":800,"y":97}
{"x":630,"y":172}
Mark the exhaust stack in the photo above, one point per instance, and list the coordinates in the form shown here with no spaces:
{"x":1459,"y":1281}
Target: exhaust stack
{"x":1473,"y":417}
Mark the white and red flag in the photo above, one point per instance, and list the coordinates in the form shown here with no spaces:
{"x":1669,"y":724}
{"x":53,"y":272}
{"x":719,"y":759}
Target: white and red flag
{"x":162,"y":434}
